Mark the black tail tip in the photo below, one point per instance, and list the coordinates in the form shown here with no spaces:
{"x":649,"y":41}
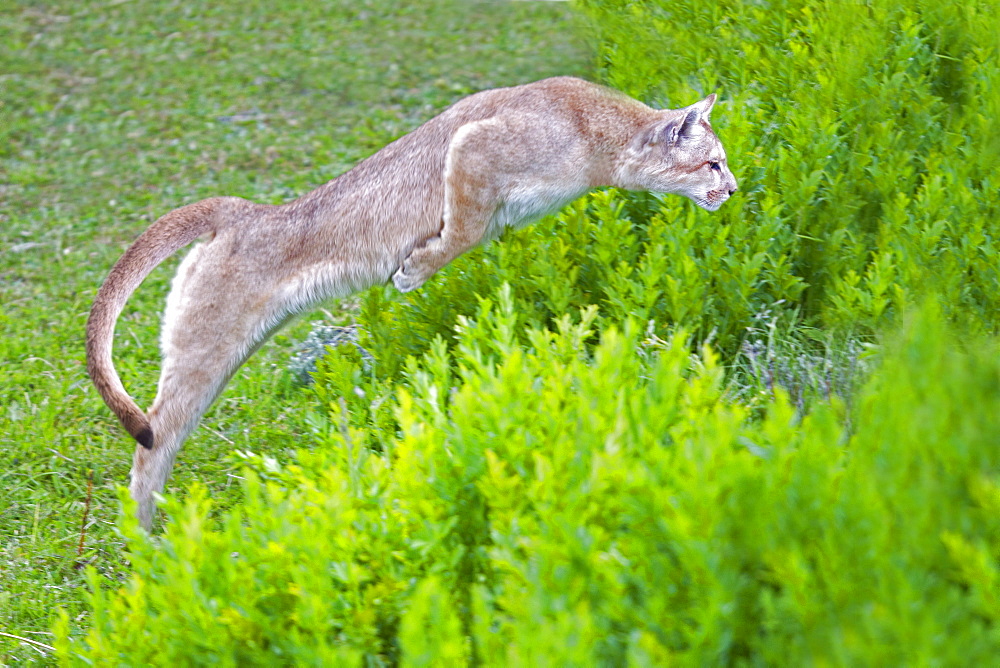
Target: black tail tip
{"x":145,"y":438}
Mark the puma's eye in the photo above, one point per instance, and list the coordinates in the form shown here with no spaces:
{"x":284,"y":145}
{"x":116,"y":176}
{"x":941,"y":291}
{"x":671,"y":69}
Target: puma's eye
{"x":715,"y":166}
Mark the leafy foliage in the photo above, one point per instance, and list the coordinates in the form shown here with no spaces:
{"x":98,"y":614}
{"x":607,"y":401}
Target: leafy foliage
{"x":544,"y":505}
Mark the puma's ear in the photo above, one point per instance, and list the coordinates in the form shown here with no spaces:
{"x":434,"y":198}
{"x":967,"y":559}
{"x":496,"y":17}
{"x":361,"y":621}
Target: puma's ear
{"x":664,"y":131}
{"x":669,"y":132}
{"x":704,"y":107}
{"x":654,"y":133}
{"x":689,"y":124}
{"x":681,"y":126}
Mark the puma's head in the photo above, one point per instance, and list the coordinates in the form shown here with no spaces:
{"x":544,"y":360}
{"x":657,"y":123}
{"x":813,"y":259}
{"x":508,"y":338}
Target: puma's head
{"x":677,"y":152}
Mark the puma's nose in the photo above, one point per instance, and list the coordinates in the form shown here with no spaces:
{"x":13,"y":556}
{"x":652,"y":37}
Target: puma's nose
{"x":732,"y":191}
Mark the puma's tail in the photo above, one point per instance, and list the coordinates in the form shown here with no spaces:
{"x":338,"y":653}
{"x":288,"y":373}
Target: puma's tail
{"x":166,"y":236}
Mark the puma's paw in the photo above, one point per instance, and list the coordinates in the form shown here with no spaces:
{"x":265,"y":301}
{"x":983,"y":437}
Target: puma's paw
{"x":405,"y":282}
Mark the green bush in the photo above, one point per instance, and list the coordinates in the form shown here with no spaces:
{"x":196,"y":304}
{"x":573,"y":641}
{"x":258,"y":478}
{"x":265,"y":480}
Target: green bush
{"x":545,"y":506}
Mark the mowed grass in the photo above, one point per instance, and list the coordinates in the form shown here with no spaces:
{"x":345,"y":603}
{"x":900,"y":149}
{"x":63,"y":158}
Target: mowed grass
{"x":112,"y":114}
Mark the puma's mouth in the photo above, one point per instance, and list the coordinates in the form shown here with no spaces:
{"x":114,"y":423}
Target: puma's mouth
{"x":712,"y":200}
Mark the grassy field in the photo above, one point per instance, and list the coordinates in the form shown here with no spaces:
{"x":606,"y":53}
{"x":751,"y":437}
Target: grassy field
{"x":111,"y":115}
{"x":635,"y":433}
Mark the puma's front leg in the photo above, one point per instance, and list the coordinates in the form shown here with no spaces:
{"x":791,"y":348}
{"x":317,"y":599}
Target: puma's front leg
{"x":470,"y":199}
{"x":422,"y":263}
{"x":463,"y":228}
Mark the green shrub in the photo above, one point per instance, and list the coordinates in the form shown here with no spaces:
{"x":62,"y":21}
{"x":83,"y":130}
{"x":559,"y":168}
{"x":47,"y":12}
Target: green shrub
{"x":543,"y":505}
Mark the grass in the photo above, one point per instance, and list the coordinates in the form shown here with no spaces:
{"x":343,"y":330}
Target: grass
{"x":112,"y":114}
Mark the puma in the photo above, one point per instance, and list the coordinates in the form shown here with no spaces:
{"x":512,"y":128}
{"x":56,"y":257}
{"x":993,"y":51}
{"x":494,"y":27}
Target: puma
{"x":499,"y":158}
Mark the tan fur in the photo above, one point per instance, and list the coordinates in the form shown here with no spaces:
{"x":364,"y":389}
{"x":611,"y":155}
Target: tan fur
{"x":500,"y":158}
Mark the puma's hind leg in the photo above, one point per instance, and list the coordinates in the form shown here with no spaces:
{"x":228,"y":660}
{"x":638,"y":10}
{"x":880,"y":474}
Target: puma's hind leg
{"x":207,"y":335}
